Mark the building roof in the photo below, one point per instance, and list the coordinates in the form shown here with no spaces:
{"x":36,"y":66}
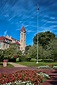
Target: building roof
{"x":2,"y":38}
{"x":17,"y":42}
{"x":23,"y":29}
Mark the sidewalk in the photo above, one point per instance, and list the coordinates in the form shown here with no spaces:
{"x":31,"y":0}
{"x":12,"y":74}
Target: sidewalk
{"x":16,"y":65}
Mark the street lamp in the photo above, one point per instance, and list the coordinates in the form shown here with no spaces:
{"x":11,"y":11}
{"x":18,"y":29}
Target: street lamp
{"x":37,"y":33}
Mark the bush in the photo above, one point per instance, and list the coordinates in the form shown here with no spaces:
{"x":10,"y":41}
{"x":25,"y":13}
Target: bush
{"x":47,"y":60}
{"x":44,"y":75}
{"x":22,"y":58}
{"x":33,"y":60}
{"x":12,"y":60}
{"x":28,"y":59}
{"x":43,"y":67}
{"x":1,"y":58}
{"x":17,"y":59}
{"x":54,"y":67}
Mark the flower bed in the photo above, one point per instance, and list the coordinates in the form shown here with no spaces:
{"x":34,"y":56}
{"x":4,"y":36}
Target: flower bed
{"x":23,"y":76}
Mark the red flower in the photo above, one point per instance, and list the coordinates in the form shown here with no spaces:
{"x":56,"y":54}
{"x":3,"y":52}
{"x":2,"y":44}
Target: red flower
{"x":23,"y":75}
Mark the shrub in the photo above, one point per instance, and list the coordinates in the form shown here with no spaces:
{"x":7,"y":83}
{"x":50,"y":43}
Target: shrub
{"x":17,"y":59}
{"x":43,"y":67}
{"x":22,"y":58}
{"x":55,"y":67}
{"x":48,"y":60}
{"x":44,"y":75}
{"x":28,"y":59}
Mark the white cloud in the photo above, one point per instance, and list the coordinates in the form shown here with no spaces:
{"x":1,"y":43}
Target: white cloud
{"x":52,"y":18}
{"x":52,"y":21}
{"x":53,"y":26}
{"x":29,"y":31}
{"x":5,"y":33}
{"x":26,"y":25}
{"x":17,"y":29}
{"x":6,"y":15}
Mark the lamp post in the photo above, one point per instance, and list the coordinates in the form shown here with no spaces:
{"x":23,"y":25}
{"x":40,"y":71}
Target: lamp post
{"x":37,"y":33}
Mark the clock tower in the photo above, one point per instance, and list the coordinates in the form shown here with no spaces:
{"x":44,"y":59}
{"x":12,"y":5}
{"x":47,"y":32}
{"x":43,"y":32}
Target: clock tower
{"x":22,"y":39}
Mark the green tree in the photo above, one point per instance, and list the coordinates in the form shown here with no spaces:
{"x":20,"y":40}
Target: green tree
{"x":27,"y":48}
{"x":12,"y":52}
{"x":52,"y":47}
{"x":44,"y":38}
{"x":1,"y":55}
{"x":32,"y":52}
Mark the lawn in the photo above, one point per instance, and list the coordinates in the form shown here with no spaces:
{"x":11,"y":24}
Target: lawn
{"x":32,"y":64}
{"x":9,"y":65}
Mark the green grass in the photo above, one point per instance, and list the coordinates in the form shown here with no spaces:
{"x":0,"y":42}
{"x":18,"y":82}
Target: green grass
{"x":8,"y":66}
{"x":31,"y":64}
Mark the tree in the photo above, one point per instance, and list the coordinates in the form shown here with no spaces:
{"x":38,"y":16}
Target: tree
{"x":32,"y":52}
{"x":44,"y":38}
{"x":27,"y":48}
{"x":12,"y":52}
{"x":1,"y":55}
{"x":52,"y":47}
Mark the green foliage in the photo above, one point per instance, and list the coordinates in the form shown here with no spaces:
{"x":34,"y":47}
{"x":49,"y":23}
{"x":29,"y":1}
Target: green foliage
{"x":47,"y":46}
{"x":1,"y":55}
{"x":32,"y":52}
{"x":44,"y":38}
{"x":52,"y":47}
{"x":12,"y":52}
{"x":27,"y":48}
{"x":17,"y":59}
{"x":47,"y":49}
{"x":22,"y":58}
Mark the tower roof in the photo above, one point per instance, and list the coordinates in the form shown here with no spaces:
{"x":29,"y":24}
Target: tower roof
{"x":23,"y":29}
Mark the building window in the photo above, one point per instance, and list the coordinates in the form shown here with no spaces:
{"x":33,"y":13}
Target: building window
{"x":21,"y":35}
{"x":6,"y":46}
{"x":3,"y":45}
{"x":0,"y":45}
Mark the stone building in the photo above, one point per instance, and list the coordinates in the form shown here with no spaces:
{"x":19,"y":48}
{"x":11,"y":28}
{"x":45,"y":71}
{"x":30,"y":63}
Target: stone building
{"x":4,"y":42}
{"x":7,"y":40}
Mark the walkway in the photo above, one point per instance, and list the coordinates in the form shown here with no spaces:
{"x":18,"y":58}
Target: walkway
{"x":16,"y":65}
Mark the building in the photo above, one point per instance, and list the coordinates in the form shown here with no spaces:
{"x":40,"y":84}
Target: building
{"x":13,"y":40}
{"x":4,"y":43}
{"x":22,"y":39}
{"x":7,"y":40}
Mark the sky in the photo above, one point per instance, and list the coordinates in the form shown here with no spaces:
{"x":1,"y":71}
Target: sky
{"x":17,"y":13}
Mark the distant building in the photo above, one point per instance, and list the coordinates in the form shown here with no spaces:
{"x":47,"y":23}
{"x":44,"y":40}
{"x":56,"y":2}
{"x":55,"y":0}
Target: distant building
{"x":6,"y":41}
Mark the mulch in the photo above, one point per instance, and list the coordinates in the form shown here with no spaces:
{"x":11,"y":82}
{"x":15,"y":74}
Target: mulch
{"x":52,"y":73}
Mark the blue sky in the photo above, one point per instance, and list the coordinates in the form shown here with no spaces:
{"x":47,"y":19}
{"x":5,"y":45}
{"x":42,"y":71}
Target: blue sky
{"x":17,"y":13}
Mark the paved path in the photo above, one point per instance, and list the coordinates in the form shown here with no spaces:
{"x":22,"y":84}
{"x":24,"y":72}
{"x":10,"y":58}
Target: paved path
{"x":16,"y":65}
{"x":14,"y":69}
